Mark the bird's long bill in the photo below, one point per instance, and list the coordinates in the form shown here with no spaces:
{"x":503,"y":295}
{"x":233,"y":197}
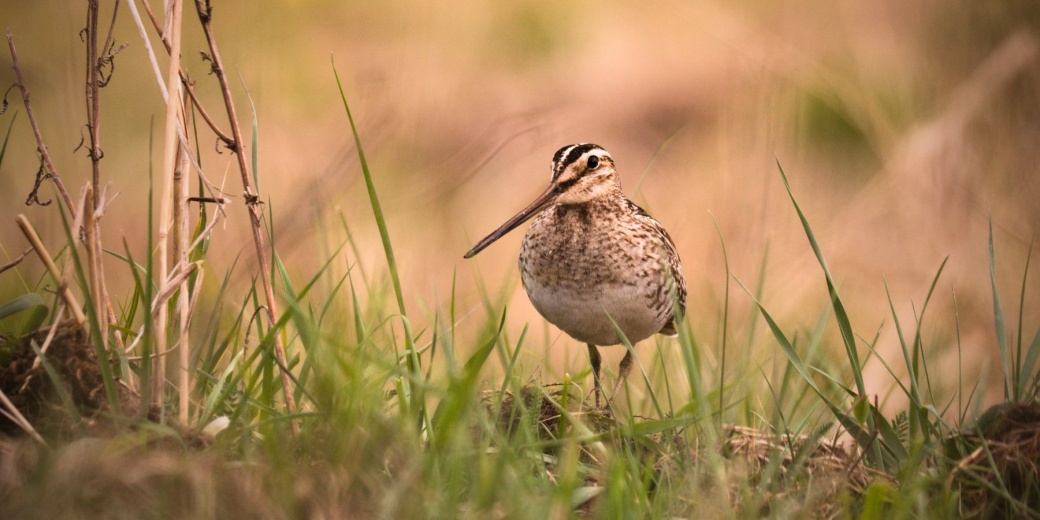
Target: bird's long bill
{"x":542,"y":202}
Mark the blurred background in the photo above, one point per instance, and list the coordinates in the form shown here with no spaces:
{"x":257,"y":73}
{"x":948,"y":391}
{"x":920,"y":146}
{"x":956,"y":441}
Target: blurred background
{"x":905,"y":129}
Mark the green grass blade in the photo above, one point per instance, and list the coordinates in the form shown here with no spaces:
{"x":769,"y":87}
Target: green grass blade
{"x":1021,"y":376}
{"x":449,"y":350}
{"x":998,"y":318}
{"x":359,"y":319}
{"x":373,"y":197}
{"x":413,"y":364}
{"x":857,"y":431}
{"x":911,"y":366}
{"x":1028,"y":365}
{"x":760,"y":285}
{"x":448,"y":416}
{"x":511,"y":367}
{"x":21,"y":303}
{"x":844,"y":325}
{"x":725,"y":324}
{"x":919,"y":341}
{"x":220,"y":390}
{"x":216,"y":346}
{"x":254,"y":141}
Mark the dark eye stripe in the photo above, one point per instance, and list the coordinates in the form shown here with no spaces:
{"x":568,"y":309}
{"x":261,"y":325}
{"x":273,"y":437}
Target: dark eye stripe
{"x":577,"y":152}
{"x":565,"y":185}
{"x":565,"y":156}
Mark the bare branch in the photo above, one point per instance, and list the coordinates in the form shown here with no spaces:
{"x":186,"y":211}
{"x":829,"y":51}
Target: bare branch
{"x":188,"y":84}
{"x":3,"y":106}
{"x":34,"y":195}
{"x":106,"y":49}
{"x":45,"y":157}
{"x":205,"y":12}
{"x":93,"y":97}
{"x":16,"y":261}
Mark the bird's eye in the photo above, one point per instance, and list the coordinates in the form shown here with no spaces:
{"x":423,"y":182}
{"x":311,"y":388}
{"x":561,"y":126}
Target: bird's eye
{"x":593,"y":162}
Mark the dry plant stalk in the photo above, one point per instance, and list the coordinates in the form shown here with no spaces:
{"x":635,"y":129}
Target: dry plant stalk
{"x":93,"y":198}
{"x":180,"y":255}
{"x":105,"y":301}
{"x":91,"y":230}
{"x":179,"y":275}
{"x":252,"y":205}
{"x":171,"y":150}
{"x":48,"y":261}
{"x":184,"y":76}
{"x":95,"y":80}
{"x":176,"y":166}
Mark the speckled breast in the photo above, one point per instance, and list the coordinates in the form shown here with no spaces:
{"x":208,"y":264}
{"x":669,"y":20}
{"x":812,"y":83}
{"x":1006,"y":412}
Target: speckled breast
{"x":583,"y":266}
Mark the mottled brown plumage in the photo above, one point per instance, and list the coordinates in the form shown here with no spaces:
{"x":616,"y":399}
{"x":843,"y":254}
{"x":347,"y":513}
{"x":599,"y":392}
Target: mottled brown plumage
{"x":593,"y":259}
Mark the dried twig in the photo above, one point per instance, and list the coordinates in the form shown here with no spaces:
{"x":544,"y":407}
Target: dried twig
{"x":147,"y":45}
{"x":45,"y":157}
{"x":16,"y":261}
{"x":95,"y":80}
{"x":188,"y":86}
{"x":252,"y":203}
{"x":185,"y":144}
{"x":58,"y":316}
{"x":16,"y":417}
{"x":210,"y":200}
{"x":170,"y":286}
{"x":184,"y":76}
{"x":108,"y":50}
{"x":93,"y":99}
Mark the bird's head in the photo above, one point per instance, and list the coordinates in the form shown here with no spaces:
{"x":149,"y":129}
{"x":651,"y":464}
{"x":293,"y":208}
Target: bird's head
{"x":581,"y":173}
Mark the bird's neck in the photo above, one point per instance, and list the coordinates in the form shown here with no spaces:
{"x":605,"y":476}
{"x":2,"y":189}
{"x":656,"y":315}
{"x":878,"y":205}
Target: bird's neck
{"x":611,"y":198}
{"x":603,"y":205}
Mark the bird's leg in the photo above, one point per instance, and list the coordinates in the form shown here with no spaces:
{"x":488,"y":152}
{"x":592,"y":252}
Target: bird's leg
{"x":595,"y":359}
{"x":623,"y":370}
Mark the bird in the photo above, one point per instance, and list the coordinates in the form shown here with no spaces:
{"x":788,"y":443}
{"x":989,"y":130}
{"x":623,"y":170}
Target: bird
{"x":593,"y":262}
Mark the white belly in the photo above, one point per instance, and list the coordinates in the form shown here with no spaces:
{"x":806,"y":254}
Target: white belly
{"x":586,"y":315}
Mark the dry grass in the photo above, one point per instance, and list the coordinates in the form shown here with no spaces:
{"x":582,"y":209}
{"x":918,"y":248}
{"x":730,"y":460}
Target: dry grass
{"x":1007,"y":456}
{"x":801,"y":472}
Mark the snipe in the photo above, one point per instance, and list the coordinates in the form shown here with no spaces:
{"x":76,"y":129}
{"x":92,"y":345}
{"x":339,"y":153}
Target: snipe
{"x":593,"y":261}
